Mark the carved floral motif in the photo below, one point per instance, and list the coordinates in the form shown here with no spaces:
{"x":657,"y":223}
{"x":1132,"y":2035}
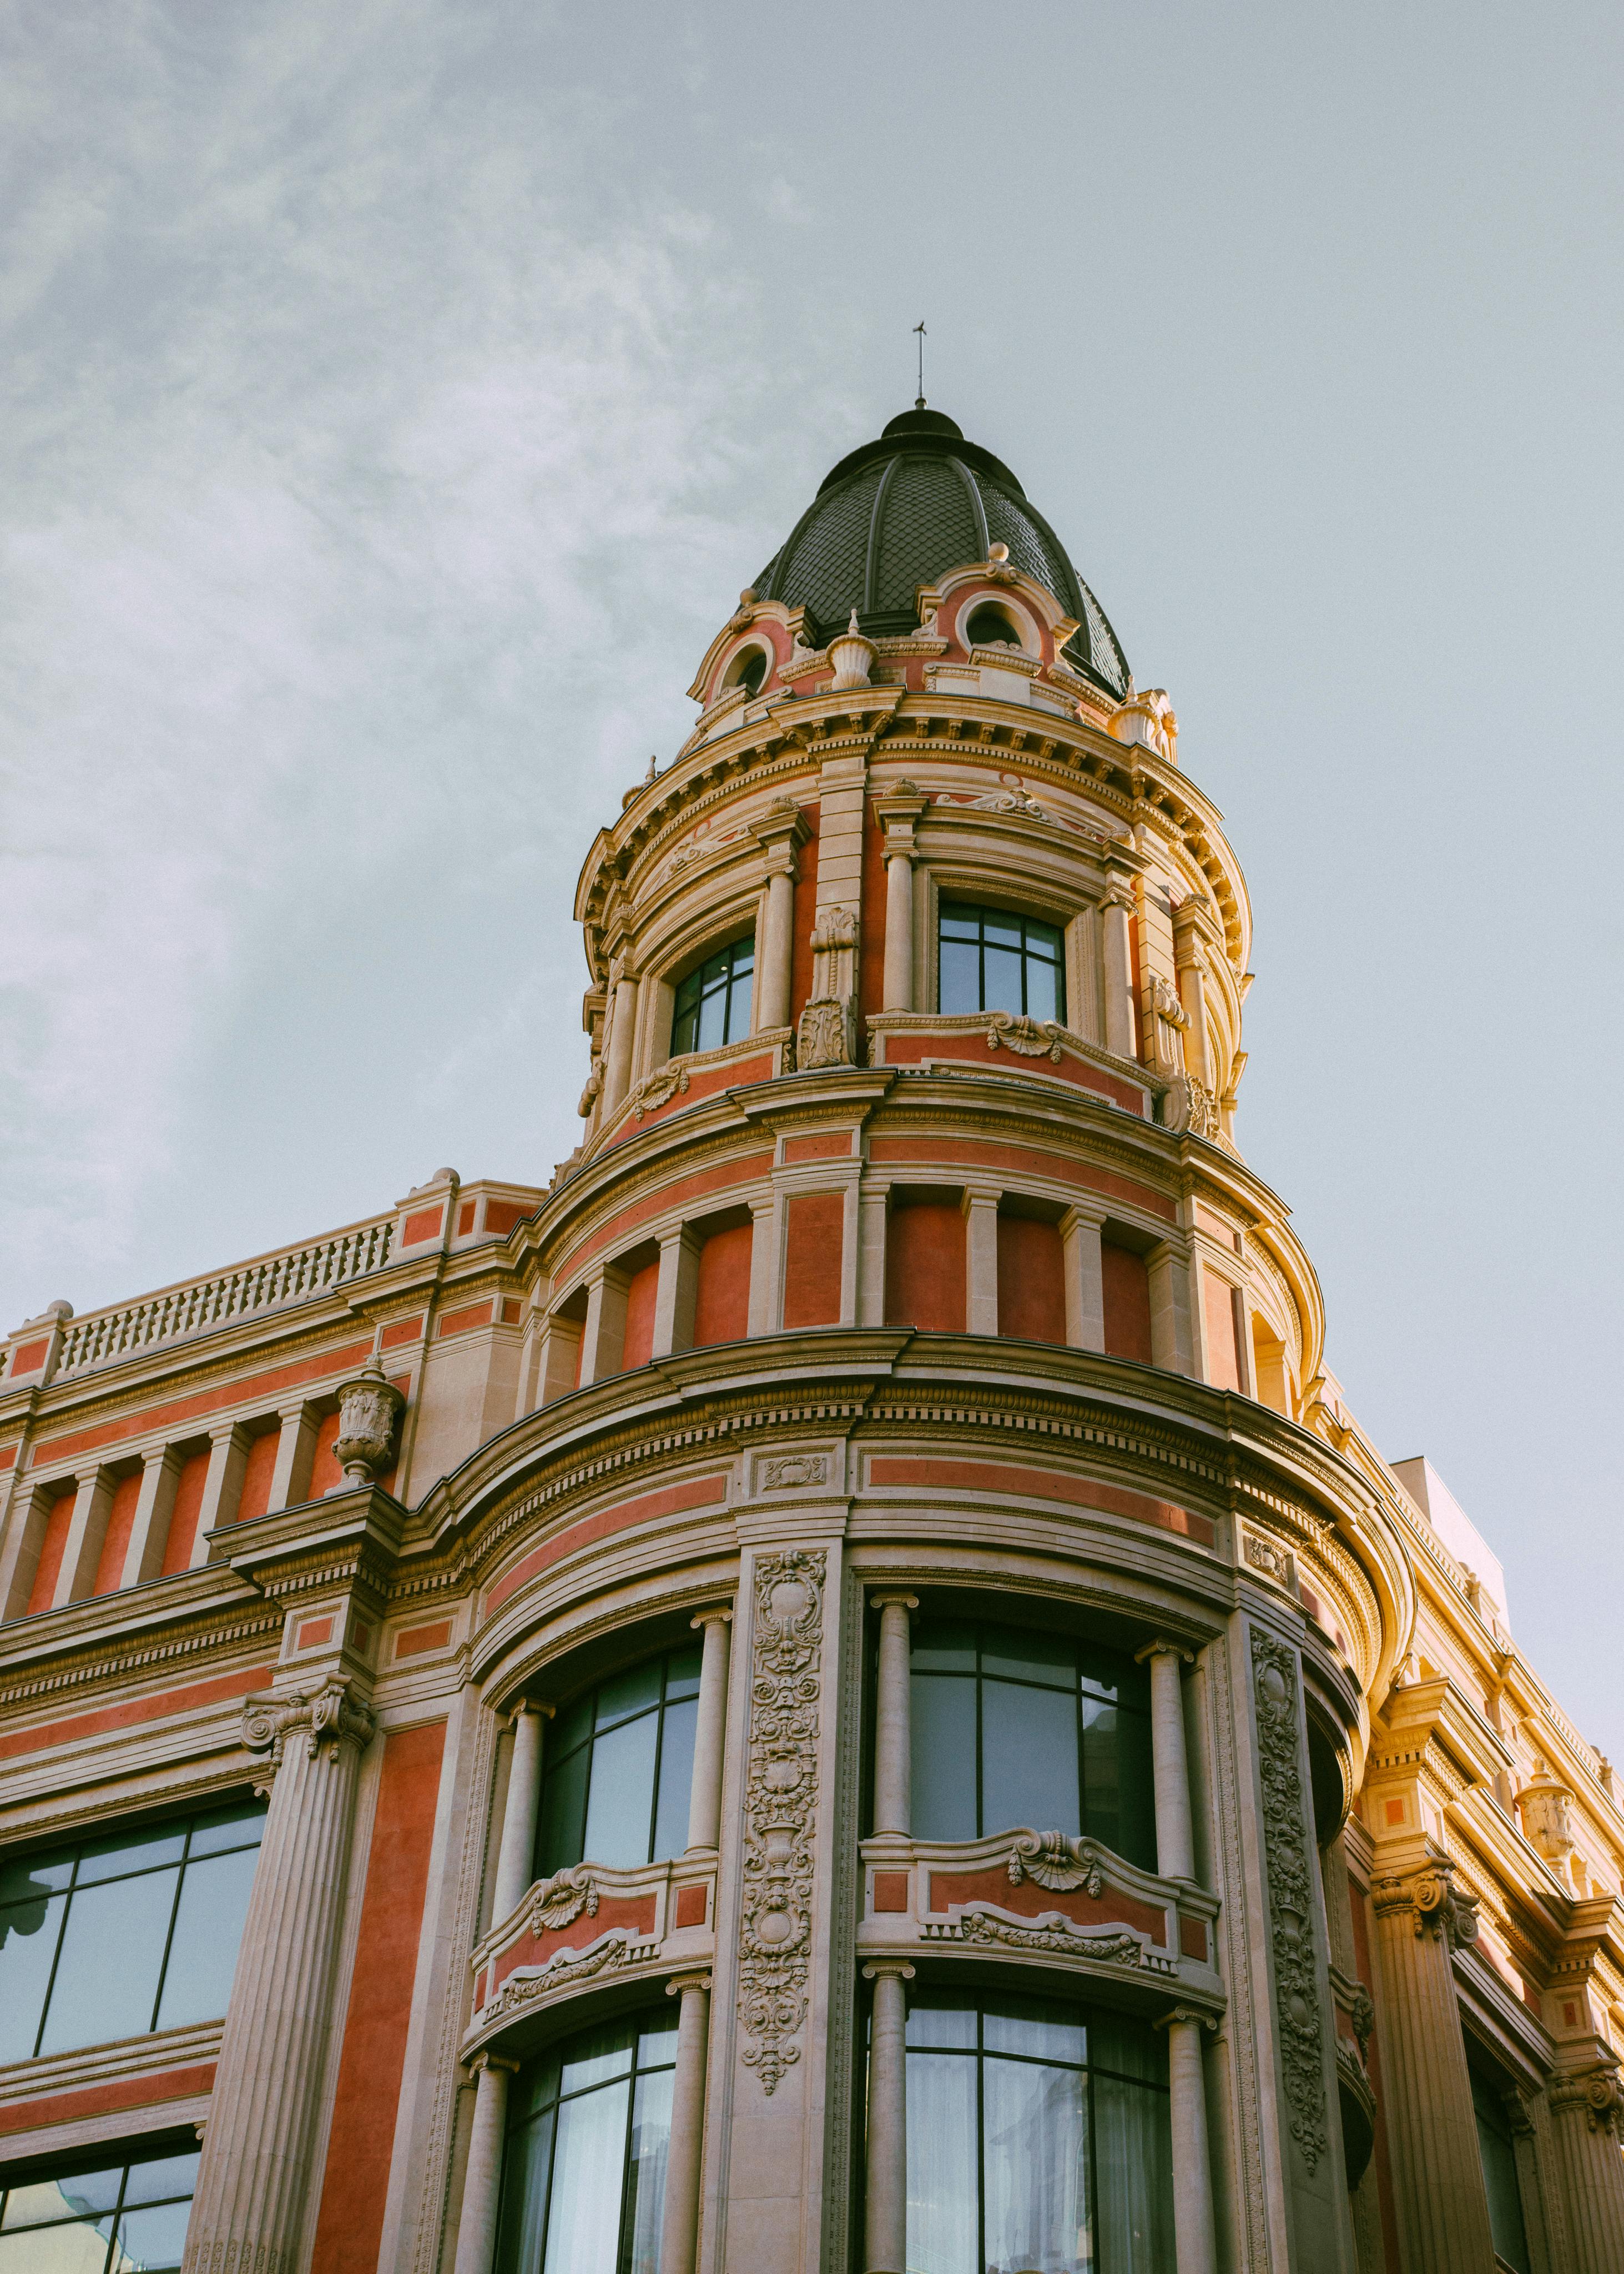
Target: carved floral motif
{"x":780,"y":1809}
{"x":1105,"y":1949}
{"x":659,"y":1089}
{"x":789,"y":1470}
{"x":560,"y":1901}
{"x":1286,"y":1840}
{"x":1023,"y":1035}
{"x":1056,"y":1863}
{"x":821,"y":1038}
{"x":368,"y":1408}
{"x":522,"y":1990}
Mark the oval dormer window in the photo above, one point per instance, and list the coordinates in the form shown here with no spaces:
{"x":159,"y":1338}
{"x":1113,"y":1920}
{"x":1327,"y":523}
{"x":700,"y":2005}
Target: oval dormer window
{"x":990,"y":627}
{"x":747,"y":671}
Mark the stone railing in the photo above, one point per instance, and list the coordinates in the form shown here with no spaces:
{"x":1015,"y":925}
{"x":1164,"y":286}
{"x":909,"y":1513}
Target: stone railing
{"x":268,"y":1282}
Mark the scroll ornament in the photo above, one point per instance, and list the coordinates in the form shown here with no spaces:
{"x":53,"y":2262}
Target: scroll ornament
{"x":521,"y":1990}
{"x":1055,"y":1862}
{"x":1287,"y":1846}
{"x":780,"y":1809}
{"x":1106,"y":1949}
{"x":368,"y":1408}
{"x":560,"y":1901}
{"x":1025,"y":1036}
{"x":328,"y":1716}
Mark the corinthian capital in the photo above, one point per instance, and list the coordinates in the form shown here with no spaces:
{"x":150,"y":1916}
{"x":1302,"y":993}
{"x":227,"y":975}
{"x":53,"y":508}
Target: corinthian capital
{"x":1599,"y":2091}
{"x":1439,"y":1908}
{"x":329,"y":1717}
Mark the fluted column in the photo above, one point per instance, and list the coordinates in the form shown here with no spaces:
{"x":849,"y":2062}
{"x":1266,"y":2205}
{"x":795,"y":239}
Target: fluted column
{"x":704,"y":1805}
{"x":679,"y":2226}
{"x":1118,"y":913}
{"x":779,"y":833}
{"x":1169,"y":1764}
{"x":482,"y":2181}
{"x":893,"y":1763}
{"x":1587,"y":2108}
{"x":886,"y":2226}
{"x":1441,"y":2201}
{"x":255,"y":2180}
{"x":1194,"y":2235}
{"x":515,"y":1860}
{"x":622,"y":1034}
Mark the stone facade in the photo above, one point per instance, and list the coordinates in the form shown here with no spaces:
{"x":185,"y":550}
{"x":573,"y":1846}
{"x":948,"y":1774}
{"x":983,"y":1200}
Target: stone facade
{"x":872,"y":1319}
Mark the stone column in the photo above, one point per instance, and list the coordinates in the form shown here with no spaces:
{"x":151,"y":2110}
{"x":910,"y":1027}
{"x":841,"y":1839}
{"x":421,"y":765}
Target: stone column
{"x":980,"y":1212}
{"x":886,"y":2226}
{"x":222,"y":1487}
{"x":676,"y":1290}
{"x":1194,"y":2235}
{"x":679,"y":2227}
{"x":603,"y":1335}
{"x":1084,"y":1265}
{"x":897,"y":814}
{"x":296,"y":1446}
{"x":81,"y":1553}
{"x":1587,"y":2106}
{"x":1175,"y":1842}
{"x":516,"y":1862}
{"x":705,"y":1806}
{"x":254,"y":2182}
{"x":893,"y":1761}
{"x":873,"y":1220}
{"x":1437,"y":2185}
{"x":482,"y":2181}
{"x":1167,"y":1266}
{"x":622,"y":1034}
{"x":1118,"y":913}
{"x":781,"y":830}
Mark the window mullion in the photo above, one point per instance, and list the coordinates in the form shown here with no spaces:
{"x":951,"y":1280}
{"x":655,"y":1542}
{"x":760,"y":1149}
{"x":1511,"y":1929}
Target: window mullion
{"x":168,"y":1940}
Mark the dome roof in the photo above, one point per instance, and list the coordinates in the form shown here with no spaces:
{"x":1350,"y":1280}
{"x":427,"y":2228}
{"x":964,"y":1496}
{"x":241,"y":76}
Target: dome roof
{"x":901,"y":512}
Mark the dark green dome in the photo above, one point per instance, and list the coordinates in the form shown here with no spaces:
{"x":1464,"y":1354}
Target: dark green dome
{"x":901,"y":512}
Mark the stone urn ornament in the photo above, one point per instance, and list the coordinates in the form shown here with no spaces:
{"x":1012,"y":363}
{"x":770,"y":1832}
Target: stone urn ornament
{"x":368,"y":1408}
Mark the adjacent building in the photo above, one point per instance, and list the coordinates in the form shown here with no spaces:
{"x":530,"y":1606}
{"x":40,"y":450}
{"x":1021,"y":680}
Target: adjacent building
{"x":834,"y":1685}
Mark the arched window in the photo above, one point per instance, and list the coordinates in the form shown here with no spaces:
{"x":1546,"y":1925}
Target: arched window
{"x":1038,"y":2136}
{"x":619,"y":1766}
{"x":989,"y":627}
{"x":1016,"y":1728}
{"x":713,"y":1002}
{"x":583,"y":2174}
{"x":993,"y":960}
{"x":747,"y":670}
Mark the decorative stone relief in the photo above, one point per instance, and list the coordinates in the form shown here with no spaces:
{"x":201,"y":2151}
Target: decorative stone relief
{"x":328,"y":1716}
{"x":1017,"y":800}
{"x":1024,"y":1035}
{"x":1598,"y":2091}
{"x":560,"y":1901}
{"x":1107,"y":1949}
{"x":368,"y":1408}
{"x":1437,"y":1907}
{"x":1545,"y":1806}
{"x":821,"y":1038}
{"x":1362,"y":2014}
{"x":1287,"y":1848}
{"x":1056,"y":1863}
{"x":523,"y":1989}
{"x":1188,"y":1105}
{"x":780,"y":1809}
{"x":788,"y":1470}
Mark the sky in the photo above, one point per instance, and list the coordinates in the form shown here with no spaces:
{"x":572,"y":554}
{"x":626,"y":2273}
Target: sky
{"x":395,"y":398}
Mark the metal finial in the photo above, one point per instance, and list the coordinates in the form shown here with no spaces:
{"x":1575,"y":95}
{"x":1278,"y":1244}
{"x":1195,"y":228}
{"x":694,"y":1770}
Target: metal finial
{"x":919,"y":400}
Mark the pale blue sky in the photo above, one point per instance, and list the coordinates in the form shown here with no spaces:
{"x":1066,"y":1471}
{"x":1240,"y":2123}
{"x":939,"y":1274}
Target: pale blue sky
{"x":397,"y":396}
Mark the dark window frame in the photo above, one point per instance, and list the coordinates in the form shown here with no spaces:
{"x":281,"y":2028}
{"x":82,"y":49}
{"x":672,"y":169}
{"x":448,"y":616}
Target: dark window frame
{"x":123,"y":2156}
{"x":554,"y":1764}
{"x":725,"y":975}
{"x":1042,"y":946}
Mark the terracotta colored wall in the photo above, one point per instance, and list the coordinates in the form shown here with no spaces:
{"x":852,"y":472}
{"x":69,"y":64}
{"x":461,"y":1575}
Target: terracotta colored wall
{"x":184,"y":1513}
{"x":805,"y":909}
{"x":116,"y":1540}
{"x":48,"y":1569}
{"x":350,"y":2227}
{"x":638,"y":1347}
{"x":871,"y":937}
{"x":1127,"y":1303}
{"x":258,"y":1470}
{"x":1031,"y":1280}
{"x":1222,"y":1367}
{"x":324,"y":1472}
{"x":722,"y":1300}
{"x":925,"y":1268}
{"x":812,"y":1263}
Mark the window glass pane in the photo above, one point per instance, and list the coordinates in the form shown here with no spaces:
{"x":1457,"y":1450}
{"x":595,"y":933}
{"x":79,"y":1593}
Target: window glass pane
{"x":1027,"y":1654}
{"x":1101,"y":1772}
{"x":656,"y":2045}
{"x":713,"y":1031}
{"x":1042,"y":990}
{"x":621,"y":1799}
{"x":129,"y":1851}
{"x":633,"y":1692}
{"x":943,"y":1778}
{"x":583,"y":2215}
{"x":1001,"y":970}
{"x":573,"y":1728}
{"x":1035,"y":2028}
{"x":645,"y":2172}
{"x":945,"y":1644}
{"x":1133,"y":2172}
{"x":241,"y":1827}
{"x":1130,"y":2049}
{"x":930,"y":2023}
{"x":524,"y":2197}
{"x":208,"y":1927}
{"x":744,"y":956}
{"x":1000,"y":928}
{"x":562,"y":1814}
{"x":112,"y":1948}
{"x":1499,"y":2174}
{"x":1119,"y":1798}
{"x":28,"y":1934}
{"x":676,"y":1778}
{"x":1028,"y":1759}
{"x":738,"y":1006}
{"x":1034,"y":2150}
{"x":959,"y":921}
{"x":65,"y":2198}
{"x":942,"y":2162}
{"x":589,"y":2061}
{"x":960,"y":977}
{"x":152,"y":2240}
{"x":164,"y":2177}
{"x":28,"y":1879}
{"x":682,"y":1672}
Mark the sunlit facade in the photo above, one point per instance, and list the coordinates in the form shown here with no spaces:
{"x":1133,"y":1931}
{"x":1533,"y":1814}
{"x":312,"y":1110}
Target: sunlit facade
{"x":833,"y":1686}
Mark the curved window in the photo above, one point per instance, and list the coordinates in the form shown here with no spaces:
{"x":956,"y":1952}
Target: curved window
{"x":135,"y":1930}
{"x":713,"y":1002}
{"x":990,"y":627}
{"x":750,"y":671}
{"x":1038,"y":2136}
{"x":584,"y":2173}
{"x":619,"y":1766}
{"x":992,"y":960}
{"x":1014,"y":1728}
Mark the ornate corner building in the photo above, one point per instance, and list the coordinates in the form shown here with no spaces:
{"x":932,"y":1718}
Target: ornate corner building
{"x":835,"y":1688}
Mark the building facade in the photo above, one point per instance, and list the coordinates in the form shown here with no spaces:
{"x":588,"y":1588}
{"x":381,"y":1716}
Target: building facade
{"x":836,"y":1687}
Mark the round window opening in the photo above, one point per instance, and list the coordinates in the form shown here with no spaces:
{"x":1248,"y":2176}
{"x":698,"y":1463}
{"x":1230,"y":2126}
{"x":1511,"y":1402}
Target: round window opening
{"x":748,"y":670}
{"x":990,"y":627}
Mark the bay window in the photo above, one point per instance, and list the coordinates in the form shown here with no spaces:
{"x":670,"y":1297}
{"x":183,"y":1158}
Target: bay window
{"x":115,"y":2213}
{"x":583,"y":2171}
{"x":620,"y":1767}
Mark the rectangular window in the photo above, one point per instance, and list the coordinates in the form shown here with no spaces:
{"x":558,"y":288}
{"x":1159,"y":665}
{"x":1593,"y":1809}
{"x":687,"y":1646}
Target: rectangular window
{"x":1497,"y":2146}
{"x":989,"y":960}
{"x":134,"y":1931}
{"x":713,"y":1002}
{"x":127,"y":2211}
